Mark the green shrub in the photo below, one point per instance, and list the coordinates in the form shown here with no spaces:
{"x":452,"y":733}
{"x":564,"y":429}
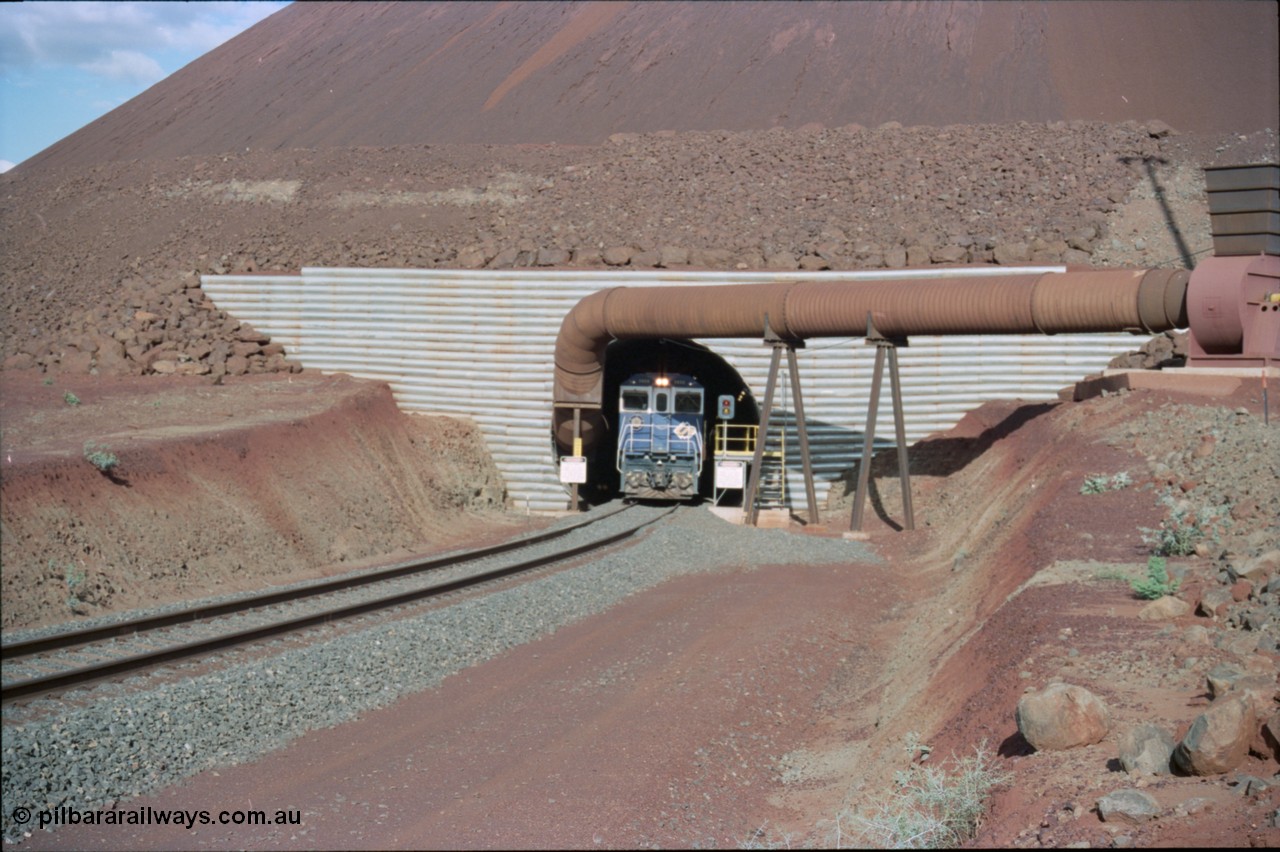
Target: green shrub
{"x":1100,"y":483}
{"x":100,"y":457}
{"x":1157,"y":583}
{"x":1182,"y":530}
{"x":70,"y":399}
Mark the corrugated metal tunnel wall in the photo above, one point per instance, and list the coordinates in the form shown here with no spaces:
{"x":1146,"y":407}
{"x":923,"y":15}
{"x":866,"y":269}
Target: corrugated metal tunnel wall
{"x":480,"y":344}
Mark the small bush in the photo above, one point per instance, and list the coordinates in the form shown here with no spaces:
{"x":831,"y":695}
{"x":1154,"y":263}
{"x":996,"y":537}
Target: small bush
{"x":932,"y":807}
{"x":1095,"y":484}
{"x":70,"y":399}
{"x":100,"y":457}
{"x":1100,"y":483}
{"x":1182,"y":530}
{"x":1157,"y":583}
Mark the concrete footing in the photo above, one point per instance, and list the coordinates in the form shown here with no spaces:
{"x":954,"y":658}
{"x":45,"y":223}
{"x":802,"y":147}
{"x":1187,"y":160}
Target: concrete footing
{"x":1208,"y":381}
{"x":779,"y":519}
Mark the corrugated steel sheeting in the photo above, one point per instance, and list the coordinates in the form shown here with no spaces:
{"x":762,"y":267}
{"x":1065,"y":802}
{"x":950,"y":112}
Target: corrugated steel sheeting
{"x":479,"y":344}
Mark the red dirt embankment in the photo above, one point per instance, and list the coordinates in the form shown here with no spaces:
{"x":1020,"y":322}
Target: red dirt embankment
{"x":218,"y":488}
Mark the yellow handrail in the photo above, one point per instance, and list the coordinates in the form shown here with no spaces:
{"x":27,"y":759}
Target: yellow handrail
{"x":739,"y":439}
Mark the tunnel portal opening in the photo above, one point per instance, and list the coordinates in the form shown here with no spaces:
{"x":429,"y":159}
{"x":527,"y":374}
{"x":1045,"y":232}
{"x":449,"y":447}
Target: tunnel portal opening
{"x":626,"y":358}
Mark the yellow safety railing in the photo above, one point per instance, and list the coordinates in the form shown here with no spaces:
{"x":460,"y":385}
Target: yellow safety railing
{"x":739,"y":439}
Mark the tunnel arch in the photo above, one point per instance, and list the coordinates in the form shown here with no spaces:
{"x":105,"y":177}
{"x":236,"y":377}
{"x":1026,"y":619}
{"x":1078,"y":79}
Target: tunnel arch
{"x":625,"y":358}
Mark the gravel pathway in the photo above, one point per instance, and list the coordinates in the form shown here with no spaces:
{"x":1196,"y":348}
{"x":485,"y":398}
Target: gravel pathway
{"x":128,"y":741}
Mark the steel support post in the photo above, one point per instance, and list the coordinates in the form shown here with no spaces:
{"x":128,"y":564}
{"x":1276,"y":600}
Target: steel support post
{"x":577,"y":451}
{"x":753,"y":481}
{"x":884,"y":348}
{"x":900,"y":435}
{"x":797,"y":399}
{"x":868,"y":439}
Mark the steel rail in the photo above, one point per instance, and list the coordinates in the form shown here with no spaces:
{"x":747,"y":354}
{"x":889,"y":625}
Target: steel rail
{"x":190,"y":615}
{"x":98,"y":671}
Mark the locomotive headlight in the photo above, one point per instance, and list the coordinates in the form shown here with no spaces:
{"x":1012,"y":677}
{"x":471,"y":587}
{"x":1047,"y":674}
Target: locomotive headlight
{"x":662,"y":382}
{"x":637,"y":422}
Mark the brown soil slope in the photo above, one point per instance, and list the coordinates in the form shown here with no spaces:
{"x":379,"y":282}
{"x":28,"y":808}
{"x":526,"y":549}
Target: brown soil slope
{"x":202,"y":489}
{"x":322,"y":75}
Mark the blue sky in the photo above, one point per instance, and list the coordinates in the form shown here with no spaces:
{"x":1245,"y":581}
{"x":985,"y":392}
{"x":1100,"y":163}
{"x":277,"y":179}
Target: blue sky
{"x":64,"y":64}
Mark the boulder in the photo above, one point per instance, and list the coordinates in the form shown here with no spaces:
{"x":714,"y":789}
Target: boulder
{"x":669,"y":256}
{"x":1062,"y":716}
{"x":1007,"y":254}
{"x":1218,"y":739}
{"x":1164,"y":608}
{"x":1221,"y":678}
{"x":618,"y":255}
{"x":551,"y":257}
{"x":782,"y":260}
{"x":711,"y":258}
{"x":1146,"y":750}
{"x":1128,"y":806}
{"x":1259,"y":692}
{"x":1271,"y":736}
{"x":1214,"y":602}
{"x":471,"y":258}
{"x":1257,"y":569}
{"x":505,"y":259}
{"x":949,"y":254}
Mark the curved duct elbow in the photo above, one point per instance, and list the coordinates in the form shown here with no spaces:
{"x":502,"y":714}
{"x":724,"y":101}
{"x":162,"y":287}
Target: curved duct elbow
{"x":580,"y":345}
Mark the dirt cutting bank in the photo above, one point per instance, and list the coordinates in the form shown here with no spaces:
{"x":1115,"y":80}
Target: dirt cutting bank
{"x":136,"y":492}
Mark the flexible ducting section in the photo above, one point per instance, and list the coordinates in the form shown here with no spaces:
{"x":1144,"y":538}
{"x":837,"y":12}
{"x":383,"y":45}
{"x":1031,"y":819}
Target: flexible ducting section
{"x":1136,"y":300}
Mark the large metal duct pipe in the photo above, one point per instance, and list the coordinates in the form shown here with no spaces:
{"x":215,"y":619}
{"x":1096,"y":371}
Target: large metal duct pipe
{"x":1135,"y":300}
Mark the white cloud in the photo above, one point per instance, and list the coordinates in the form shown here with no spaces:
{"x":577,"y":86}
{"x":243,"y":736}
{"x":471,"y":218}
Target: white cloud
{"x":127,"y":65}
{"x":95,"y":35}
{"x":64,"y":64}
{"x":5,"y":165}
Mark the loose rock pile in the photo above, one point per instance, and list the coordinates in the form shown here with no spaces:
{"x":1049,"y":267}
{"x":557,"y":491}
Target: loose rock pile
{"x":1168,"y":349}
{"x":171,"y":328}
{"x":1219,"y":536}
{"x":102,"y":264}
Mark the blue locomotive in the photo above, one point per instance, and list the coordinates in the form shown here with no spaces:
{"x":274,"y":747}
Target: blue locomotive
{"x":661,"y":440}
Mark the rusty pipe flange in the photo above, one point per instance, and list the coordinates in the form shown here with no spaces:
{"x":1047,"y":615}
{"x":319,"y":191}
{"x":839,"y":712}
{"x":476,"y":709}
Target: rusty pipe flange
{"x":1162,"y":299}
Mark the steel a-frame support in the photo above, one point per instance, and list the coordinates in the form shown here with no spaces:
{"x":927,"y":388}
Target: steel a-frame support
{"x":797,"y":401}
{"x":884,"y":348}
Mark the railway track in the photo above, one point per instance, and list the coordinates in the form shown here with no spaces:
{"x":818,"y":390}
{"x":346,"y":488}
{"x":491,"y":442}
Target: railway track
{"x":77,"y":658}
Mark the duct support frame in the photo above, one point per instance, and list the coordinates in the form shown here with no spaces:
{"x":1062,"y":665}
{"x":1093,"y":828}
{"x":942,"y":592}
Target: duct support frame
{"x":750,"y":509}
{"x":886,"y":348}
